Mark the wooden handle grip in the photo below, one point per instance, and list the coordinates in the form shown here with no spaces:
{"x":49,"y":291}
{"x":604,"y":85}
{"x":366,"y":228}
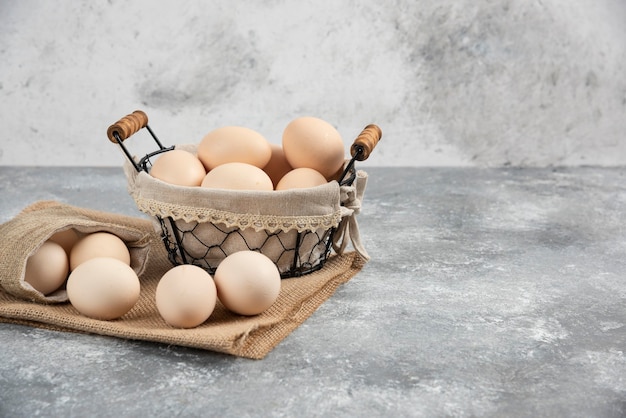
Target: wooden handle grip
{"x":366,"y":142}
{"x":128,"y":125}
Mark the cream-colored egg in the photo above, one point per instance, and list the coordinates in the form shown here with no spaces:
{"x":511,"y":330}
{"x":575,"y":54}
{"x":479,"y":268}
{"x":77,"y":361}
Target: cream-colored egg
{"x":65,"y":239}
{"x":269,"y":244}
{"x":98,"y":244}
{"x":278,"y":165}
{"x":47,"y":268}
{"x":103,"y":288}
{"x":314,"y":143}
{"x":237,"y":176}
{"x":231,"y":144}
{"x":301,"y":178}
{"x":178,"y":167}
{"x":338,"y":173}
{"x":247,"y":282}
{"x":186,"y":296}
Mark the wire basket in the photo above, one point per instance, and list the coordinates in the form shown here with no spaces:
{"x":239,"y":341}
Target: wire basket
{"x":200,"y":238}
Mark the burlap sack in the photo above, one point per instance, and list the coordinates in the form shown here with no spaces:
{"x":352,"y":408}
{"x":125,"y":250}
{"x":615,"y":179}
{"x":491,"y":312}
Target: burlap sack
{"x":23,"y":235}
{"x":251,"y":337}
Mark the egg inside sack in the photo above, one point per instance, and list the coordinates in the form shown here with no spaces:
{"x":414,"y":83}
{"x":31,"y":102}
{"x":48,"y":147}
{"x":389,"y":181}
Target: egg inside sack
{"x":247,"y":282}
{"x":231,"y":144}
{"x":237,"y":176}
{"x":66,"y":239}
{"x":314,"y":143}
{"x":98,"y":244}
{"x":178,"y":167}
{"x":103,"y":288}
{"x":186,"y":296}
{"x":47,"y":269}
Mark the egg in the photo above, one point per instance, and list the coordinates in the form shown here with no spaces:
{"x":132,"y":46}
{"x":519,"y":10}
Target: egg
{"x":65,"y":239}
{"x":98,"y":244}
{"x":247,"y":282}
{"x":271,"y":244}
{"x":103,"y":288}
{"x":237,"y":176}
{"x":301,"y":178}
{"x":339,"y":172}
{"x":47,"y":268}
{"x":186,"y":296}
{"x":278,"y":165}
{"x":230,"y":144}
{"x":178,"y":167}
{"x":314,"y":143}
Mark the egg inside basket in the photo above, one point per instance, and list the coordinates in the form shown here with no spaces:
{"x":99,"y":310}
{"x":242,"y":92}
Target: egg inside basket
{"x":297,"y":229}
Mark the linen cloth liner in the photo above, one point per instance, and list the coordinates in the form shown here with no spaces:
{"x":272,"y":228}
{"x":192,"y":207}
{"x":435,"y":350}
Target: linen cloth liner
{"x":323,"y":207}
{"x":301,"y":209}
{"x":252,"y":337}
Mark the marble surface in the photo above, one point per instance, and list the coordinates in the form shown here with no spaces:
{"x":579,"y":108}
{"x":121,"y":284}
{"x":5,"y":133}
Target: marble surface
{"x":470,"y":82}
{"x":491,"y":292}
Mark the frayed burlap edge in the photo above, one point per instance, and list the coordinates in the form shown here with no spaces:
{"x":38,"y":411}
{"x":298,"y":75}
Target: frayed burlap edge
{"x":250,"y":337}
{"x":255,"y":336}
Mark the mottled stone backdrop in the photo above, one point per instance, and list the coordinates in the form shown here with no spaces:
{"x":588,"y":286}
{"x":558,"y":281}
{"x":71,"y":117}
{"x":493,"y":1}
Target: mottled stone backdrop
{"x":470,"y":82}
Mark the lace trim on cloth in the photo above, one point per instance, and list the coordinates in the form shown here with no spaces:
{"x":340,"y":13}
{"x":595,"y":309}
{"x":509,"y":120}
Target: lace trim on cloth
{"x":270,"y":223}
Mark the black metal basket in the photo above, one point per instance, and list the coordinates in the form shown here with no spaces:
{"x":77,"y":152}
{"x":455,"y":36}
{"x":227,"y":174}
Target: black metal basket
{"x":206,"y":244}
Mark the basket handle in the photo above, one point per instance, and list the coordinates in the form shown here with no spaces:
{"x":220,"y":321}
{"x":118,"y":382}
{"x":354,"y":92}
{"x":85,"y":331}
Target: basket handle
{"x":365,"y":143}
{"x":127,"y":126}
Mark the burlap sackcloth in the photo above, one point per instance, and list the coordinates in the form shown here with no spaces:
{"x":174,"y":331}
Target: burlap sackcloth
{"x":252,"y":337}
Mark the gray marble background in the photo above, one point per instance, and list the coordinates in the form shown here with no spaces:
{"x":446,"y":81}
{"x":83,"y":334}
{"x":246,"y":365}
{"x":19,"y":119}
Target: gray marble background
{"x":471,"y":82}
